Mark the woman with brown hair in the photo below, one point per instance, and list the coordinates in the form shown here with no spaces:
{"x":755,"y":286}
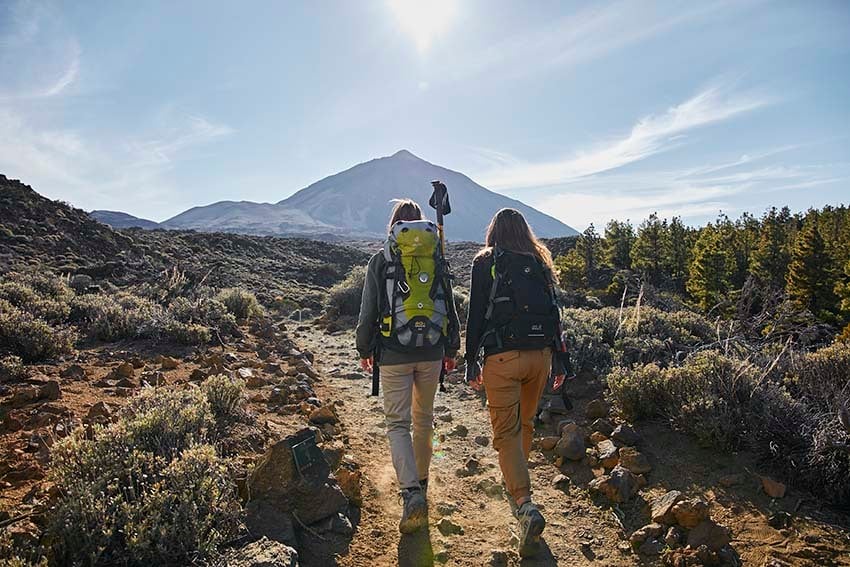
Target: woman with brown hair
{"x":514,"y":319}
{"x":408,"y":312}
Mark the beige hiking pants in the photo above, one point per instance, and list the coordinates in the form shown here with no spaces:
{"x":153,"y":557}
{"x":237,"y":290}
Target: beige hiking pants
{"x":409,"y":391}
{"x":514,"y":382}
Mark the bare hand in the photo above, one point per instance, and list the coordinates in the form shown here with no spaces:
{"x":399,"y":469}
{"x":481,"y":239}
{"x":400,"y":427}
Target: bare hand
{"x":449,"y":364}
{"x":366,"y":364}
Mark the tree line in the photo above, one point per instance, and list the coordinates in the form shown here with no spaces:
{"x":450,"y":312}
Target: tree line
{"x":803,"y":256}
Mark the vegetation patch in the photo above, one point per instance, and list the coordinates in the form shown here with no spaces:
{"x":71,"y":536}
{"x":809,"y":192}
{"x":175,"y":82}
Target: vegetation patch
{"x":150,"y":488}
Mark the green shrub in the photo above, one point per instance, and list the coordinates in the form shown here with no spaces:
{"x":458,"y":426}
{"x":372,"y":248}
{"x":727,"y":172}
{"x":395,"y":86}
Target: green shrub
{"x":148,"y":489}
{"x":43,"y":296}
{"x":344,"y":298}
{"x":12,"y":369}
{"x":206,"y":311}
{"x":822,"y":378}
{"x":189,"y":334}
{"x":225,"y":396}
{"x":240,"y":303}
{"x":117,"y":317}
{"x":30,"y":338}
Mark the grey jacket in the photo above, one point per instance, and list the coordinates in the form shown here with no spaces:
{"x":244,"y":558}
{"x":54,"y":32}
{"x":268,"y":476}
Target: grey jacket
{"x":367,"y":324}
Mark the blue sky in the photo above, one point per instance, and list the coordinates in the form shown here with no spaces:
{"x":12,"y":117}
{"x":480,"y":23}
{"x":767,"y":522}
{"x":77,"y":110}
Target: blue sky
{"x":586,"y":110}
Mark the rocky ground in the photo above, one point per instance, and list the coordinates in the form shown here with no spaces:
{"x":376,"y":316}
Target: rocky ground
{"x":612,"y":494}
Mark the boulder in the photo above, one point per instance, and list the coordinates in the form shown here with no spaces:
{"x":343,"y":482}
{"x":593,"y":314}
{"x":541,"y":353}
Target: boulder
{"x":571,"y":444}
{"x":596,"y":437}
{"x":710,"y":534}
{"x":690,"y":512}
{"x":123,"y":370}
{"x":263,"y":518}
{"x":73,"y":372}
{"x":608,"y":457}
{"x":324,"y":414}
{"x":313,"y":494}
{"x":661,"y":508}
{"x":634,"y":460}
{"x":50,"y":391}
{"x":350,"y":479}
{"x":618,"y":486}
{"x":548,"y":443}
{"x":263,"y":553}
{"x":596,"y":409}
{"x":648,"y":531}
{"x":602,"y":426}
{"x":674,"y":536}
{"x":625,"y":435}
{"x":99,"y":413}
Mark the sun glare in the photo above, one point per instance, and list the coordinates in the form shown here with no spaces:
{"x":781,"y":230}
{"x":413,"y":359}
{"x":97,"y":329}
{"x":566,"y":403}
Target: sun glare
{"x":423,"y":20}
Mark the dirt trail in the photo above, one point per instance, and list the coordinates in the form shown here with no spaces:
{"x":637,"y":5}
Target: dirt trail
{"x":582,"y":529}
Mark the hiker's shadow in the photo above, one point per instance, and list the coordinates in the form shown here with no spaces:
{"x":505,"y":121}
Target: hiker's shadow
{"x":414,"y":550}
{"x":542,"y":557}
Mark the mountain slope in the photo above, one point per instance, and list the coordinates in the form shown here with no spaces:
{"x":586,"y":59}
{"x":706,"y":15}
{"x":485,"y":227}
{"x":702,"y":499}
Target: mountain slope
{"x":117,"y":219}
{"x":358,"y":198}
{"x":356,"y":202}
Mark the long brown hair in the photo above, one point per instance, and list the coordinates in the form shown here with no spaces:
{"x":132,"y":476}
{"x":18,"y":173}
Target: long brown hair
{"x":509,"y":230}
{"x":404,"y":210}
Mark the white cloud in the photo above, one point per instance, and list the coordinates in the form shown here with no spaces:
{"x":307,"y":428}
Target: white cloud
{"x":69,"y":76}
{"x":649,"y":136}
{"x":689,"y":193}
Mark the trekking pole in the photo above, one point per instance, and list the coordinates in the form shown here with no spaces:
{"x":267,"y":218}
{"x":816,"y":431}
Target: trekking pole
{"x":440,"y":202}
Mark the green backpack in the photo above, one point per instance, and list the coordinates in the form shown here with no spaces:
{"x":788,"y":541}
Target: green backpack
{"x":414,"y":310}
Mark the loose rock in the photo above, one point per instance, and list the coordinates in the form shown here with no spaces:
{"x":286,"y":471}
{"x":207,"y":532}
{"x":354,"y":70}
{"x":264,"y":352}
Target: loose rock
{"x":772,"y":488}
{"x":710,"y":534}
{"x":625,"y":435}
{"x":634,"y":460}
{"x":690,"y":512}
{"x":448,"y":527}
{"x":618,"y":486}
{"x":661,"y":509}
{"x":571,"y":444}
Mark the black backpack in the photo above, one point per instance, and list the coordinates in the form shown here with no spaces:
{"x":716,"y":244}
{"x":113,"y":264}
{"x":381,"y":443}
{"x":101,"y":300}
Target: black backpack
{"x":521,"y":313}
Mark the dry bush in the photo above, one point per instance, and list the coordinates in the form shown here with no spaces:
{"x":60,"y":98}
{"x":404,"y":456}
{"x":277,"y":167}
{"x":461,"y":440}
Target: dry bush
{"x":226,"y":398}
{"x":344,"y":298}
{"x":599,"y":339}
{"x":204,"y":311}
{"x":148,"y":489}
{"x":240,"y":303}
{"x":30,"y":338}
{"x":733,"y":404}
{"x":117,"y":317}
{"x":12,"y":369}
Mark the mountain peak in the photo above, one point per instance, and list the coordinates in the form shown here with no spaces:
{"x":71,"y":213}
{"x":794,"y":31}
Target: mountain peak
{"x":404,"y":154}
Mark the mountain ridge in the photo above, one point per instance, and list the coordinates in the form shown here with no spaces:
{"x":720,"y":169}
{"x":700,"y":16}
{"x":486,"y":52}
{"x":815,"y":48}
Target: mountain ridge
{"x":354,"y":203}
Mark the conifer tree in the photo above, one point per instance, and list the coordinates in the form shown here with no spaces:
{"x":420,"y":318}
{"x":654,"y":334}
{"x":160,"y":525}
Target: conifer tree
{"x":772,"y":255}
{"x":811,"y":280}
{"x":711,"y":270}
{"x":589,"y":247}
{"x":648,"y":250}
{"x":619,"y":238}
{"x":571,"y":270}
{"x":677,"y":253}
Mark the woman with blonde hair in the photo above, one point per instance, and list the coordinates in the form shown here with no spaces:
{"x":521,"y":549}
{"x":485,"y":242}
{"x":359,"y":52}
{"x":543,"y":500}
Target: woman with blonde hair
{"x":408,"y":313}
{"x":513,"y":317}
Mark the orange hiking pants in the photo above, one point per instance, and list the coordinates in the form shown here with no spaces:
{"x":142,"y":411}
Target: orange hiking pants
{"x":514,"y":382}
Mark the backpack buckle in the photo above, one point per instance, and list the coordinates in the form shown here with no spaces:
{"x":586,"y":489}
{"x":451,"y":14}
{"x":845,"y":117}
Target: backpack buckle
{"x":403,"y":287}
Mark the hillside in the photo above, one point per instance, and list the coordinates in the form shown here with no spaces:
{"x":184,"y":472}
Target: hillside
{"x":38,"y":233}
{"x":355,"y":203}
{"x":117,"y":219}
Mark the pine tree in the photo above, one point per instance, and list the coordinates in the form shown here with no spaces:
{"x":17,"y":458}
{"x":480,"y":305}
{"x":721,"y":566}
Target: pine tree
{"x":589,"y":249}
{"x":677,"y":253}
{"x":772,"y":256}
{"x":811,"y":280}
{"x":648,"y":250}
{"x":619,"y":238}
{"x":571,"y":269}
{"x":711,"y":270}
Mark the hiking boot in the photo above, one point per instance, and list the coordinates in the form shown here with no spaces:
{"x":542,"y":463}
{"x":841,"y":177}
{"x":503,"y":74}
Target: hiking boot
{"x":531,"y":524}
{"x":415,"y":513}
{"x":424,"y":485}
